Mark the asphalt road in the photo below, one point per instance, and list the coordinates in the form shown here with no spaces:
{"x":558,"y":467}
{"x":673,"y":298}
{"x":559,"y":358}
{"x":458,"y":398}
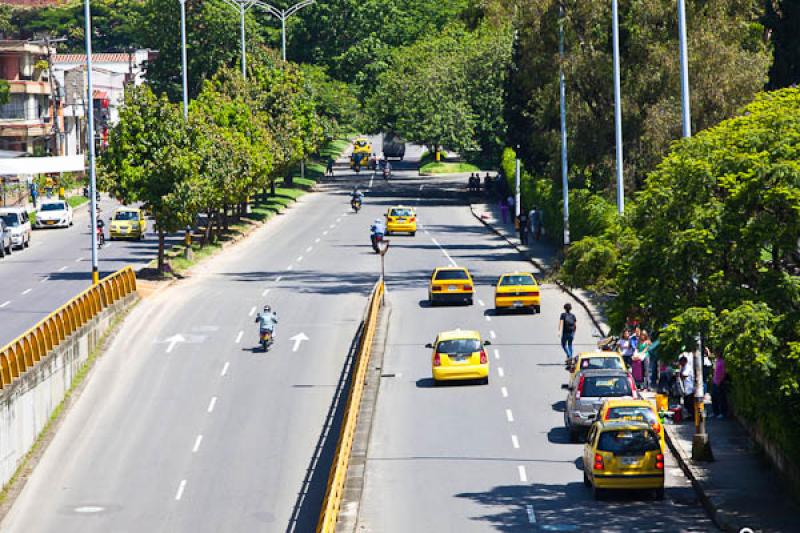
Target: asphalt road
{"x":36,"y":281}
{"x":468,"y":457}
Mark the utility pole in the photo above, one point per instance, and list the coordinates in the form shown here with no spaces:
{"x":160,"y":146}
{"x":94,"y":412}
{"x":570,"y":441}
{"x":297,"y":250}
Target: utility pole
{"x":517,"y":192}
{"x":617,"y":107}
{"x":686,"y":113}
{"x":183,"y":61}
{"x":87,"y":14}
{"x":563,"y":98}
{"x":282,"y":15}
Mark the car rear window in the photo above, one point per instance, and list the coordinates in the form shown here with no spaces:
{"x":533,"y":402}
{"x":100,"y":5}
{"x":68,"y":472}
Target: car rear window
{"x":401,"y":213}
{"x":606,"y":386}
{"x":11,"y":219}
{"x":644,"y":414}
{"x":624,"y":441}
{"x":517,"y":280}
{"x":56,"y":206}
{"x":451,"y":275}
{"x":126,"y":215}
{"x":610,"y":363}
{"x":459,"y":346}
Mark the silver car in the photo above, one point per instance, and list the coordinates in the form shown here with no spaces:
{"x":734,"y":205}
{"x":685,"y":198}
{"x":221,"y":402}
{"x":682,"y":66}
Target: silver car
{"x":19,"y":225}
{"x":586,"y":393}
{"x":5,"y":239}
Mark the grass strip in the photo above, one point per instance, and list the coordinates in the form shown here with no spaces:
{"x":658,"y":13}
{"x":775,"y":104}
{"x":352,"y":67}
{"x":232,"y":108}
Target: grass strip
{"x":447,"y":168}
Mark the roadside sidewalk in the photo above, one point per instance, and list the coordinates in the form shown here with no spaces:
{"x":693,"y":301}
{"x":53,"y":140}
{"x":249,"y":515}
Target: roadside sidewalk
{"x":541,"y":253}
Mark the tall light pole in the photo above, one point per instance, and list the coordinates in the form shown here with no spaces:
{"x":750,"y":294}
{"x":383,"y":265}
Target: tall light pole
{"x":617,"y":107}
{"x":686,"y":111}
{"x":184,"y":69}
{"x":242,"y":6}
{"x":87,"y":15}
{"x":563,"y":98}
{"x":517,"y":191}
{"x":283,"y":14}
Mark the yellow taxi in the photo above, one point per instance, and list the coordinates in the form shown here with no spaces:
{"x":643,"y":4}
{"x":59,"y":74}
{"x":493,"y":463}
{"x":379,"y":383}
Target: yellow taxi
{"x":401,"y":219}
{"x":638,"y":410}
{"x":599,"y":361}
{"x":517,"y":290}
{"x":451,"y":284}
{"x":127,"y":222}
{"x":623,"y":454}
{"x":459,"y":355}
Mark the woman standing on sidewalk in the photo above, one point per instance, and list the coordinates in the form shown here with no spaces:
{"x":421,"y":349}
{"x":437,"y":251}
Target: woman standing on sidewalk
{"x":641,"y":361}
{"x":719,"y":386}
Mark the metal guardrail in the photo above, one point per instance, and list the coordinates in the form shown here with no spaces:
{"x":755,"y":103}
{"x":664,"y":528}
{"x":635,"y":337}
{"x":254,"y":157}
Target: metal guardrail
{"x":28,"y":349}
{"x":341,"y":460}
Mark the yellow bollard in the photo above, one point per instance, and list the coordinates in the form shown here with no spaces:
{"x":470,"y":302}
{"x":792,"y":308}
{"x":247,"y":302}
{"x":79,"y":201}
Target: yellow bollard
{"x":62,"y":194}
{"x":438,"y":156}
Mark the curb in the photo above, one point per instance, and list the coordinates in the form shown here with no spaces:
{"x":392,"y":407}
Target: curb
{"x":597,"y":323}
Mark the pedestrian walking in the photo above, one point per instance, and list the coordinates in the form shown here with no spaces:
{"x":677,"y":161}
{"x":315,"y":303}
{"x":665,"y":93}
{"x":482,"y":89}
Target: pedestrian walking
{"x":34,"y":193}
{"x":627,"y":347}
{"x":523,"y":227}
{"x":567,"y":325}
{"x":329,"y":167}
{"x":719,"y":386}
{"x":686,"y":380}
{"x":504,"y":212}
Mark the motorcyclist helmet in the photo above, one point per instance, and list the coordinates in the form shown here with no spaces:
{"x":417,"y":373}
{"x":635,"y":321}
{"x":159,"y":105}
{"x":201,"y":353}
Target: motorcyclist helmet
{"x":267,"y":309}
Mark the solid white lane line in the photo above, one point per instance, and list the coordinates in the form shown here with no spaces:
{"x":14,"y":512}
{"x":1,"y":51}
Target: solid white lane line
{"x":182,"y":486}
{"x":531,"y":514}
{"x":504,"y":392}
{"x":62,"y":269}
{"x":266,"y":291}
{"x":197,"y":442}
{"x":317,"y":239}
{"x":444,"y":252}
{"x":514,"y":441}
{"x":252,"y":311}
{"x":500,"y":371}
{"x":26,"y":291}
{"x":492,"y":334}
{"x":496,"y":353}
{"x":212,"y":403}
{"x":480,"y":302}
{"x":309,"y":249}
{"x":239,"y":337}
{"x":509,"y":415}
{"x":225,"y":368}
{"x":300,"y":259}
{"x":2,"y":305}
{"x":278,"y":279}
{"x":523,"y":475}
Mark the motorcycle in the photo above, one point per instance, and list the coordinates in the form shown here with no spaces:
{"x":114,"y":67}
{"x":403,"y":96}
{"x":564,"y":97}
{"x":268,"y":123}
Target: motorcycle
{"x":355,"y":203}
{"x":386,"y":173}
{"x":265,"y":339}
{"x":376,"y":239}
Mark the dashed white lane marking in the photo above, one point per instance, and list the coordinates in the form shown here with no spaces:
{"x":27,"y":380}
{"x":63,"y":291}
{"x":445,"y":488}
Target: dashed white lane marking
{"x":278,"y":279}
{"x":252,"y":311}
{"x":371,"y":179}
{"x":290,"y":267}
{"x":225,"y":368}
{"x":444,"y":252}
{"x":300,"y":259}
{"x":492,"y":334}
{"x":108,"y":245}
{"x":488,"y":318}
{"x":2,"y":305}
{"x":426,"y":232}
{"x":309,"y":249}
{"x":62,"y":269}
{"x":317,"y":239}
{"x":197,"y":442}
{"x":44,"y":279}
{"x":78,"y":260}
{"x":332,"y":226}
{"x":509,"y":415}
{"x":182,"y":486}
{"x":26,"y":291}
{"x":480,"y":302}
{"x":514,"y":441}
{"x":325,"y":232}
{"x":500,"y":371}
{"x":89,"y":509}
{"x":523,"y":475}
{"x":212,"y":403}
{"x":338,"y":220}
{"x":266,"y":291}
{"x":239,"y":337}
{"x":504,"y":392}
{"x":531,"y":514}
{"x":496,"y":353}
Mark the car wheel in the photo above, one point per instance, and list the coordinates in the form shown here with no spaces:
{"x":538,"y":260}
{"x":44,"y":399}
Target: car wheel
{"x":538,"y":309}
{"x":598,"y":493}
{"x":437,"y":383}
{"x":2,"y":250}
{"x":413,"y":233}
{"x":27,"y":242}
{"x":469,"y":301}
{"x":586,"y":482}
{"x":659,"y":493}
{"x":485,"y":381}
{"x":573,"y":435}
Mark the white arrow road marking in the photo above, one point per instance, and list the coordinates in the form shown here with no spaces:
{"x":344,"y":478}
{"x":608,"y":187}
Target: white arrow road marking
{"x":298,"y":339}
{"x":175,"y":339}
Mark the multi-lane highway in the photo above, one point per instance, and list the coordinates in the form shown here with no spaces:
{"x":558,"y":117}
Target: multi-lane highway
{"x":57,"y":266}
{"x":185,"y":426}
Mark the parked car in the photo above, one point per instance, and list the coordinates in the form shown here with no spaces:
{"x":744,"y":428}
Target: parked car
{"x":5,"y":239}
{"x":19,"y":225}
{"x":587,"y":391}
{"x":54,"y":214}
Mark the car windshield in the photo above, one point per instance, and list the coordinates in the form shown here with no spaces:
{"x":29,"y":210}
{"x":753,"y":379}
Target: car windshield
{"x":401,"y":212}
{"x":626,"y":441}
{"x":611,"y":363}
{"x":606,"y":386}
{"x":517,"y":280}
{"x":55,"y":206}
{"x":459,"y":346}
{"x":11,"y":219}
{"x":362,"y":144}
{"x":643,"y":414}
{"x":451,"y":274}
{"x":126,"y":215}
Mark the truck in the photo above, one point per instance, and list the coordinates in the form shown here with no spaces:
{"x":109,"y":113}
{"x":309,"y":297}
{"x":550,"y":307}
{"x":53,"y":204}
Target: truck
{"x":393,"y":146}
{"x":362,"y":149}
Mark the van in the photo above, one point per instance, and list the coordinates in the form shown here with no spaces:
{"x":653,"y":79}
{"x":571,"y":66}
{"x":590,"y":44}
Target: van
{"x":19,"y":225}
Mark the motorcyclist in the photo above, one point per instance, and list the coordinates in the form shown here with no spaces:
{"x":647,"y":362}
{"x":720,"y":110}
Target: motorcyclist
{"x":267,"y":320}
{"x":377,"y":228}
{"x":387,"y":169}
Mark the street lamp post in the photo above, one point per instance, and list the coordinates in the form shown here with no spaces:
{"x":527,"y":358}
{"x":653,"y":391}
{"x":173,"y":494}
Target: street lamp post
{"x":282,"y":15}
{"x":617,"y":107}
{"x":517,"y":192}
{"x":563,"y":98}
{"x":87,"y":14}
{"x":242,"y":6}
{"x":686,"y":111}
{"x":184,"y":68}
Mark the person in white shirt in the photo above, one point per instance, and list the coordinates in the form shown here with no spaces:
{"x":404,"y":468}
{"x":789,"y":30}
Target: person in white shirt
{"x":686,"y":375}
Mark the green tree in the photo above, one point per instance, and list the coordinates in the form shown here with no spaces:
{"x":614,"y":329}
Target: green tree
{"x":782,"y":19}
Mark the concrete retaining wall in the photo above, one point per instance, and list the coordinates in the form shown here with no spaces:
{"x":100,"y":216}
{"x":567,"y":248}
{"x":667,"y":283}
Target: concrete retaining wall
{"x":27,"y":404}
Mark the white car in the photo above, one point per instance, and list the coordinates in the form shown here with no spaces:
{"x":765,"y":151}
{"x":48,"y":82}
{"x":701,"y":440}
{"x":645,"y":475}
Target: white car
{"x":54,"y":214}
{"x":19,"y":225}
